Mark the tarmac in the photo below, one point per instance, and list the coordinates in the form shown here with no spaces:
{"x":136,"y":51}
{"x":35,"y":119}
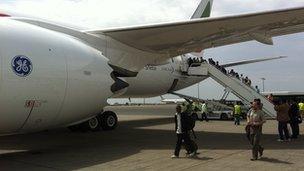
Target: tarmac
{"x":144,"y":140}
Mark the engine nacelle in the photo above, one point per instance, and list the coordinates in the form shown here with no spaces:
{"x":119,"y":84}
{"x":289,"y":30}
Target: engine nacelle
{"x":48,"y":79}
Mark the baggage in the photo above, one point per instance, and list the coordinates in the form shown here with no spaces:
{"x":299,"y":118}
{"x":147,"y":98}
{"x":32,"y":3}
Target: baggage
{"x":189,"y":121}
{"x":192,"y":147}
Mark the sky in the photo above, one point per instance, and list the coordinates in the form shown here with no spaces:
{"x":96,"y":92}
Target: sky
{"x":285,"y":74}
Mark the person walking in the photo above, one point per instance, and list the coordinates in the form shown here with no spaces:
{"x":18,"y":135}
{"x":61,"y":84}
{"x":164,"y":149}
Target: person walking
{"x":295,"y":119}
{"x":181,"y":132}
{"x":255,"y":121}
{"x":283,"y":118}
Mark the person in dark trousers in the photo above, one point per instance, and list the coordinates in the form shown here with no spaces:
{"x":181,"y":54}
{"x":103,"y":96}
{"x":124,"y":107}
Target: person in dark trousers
{"x":255,"y":121}
{"x":204,"y":112}
{"x":295,"y":118}
{"x":237,"y":112}
{"x":182,"y":134}
{"x":282,"y":109}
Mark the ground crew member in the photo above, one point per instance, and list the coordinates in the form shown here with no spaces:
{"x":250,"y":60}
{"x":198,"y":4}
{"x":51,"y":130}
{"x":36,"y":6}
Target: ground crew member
{"x":237,"y":113}
{"x":301,"y":108}
{"x":188,"y":107}
{"x":204,"y":112}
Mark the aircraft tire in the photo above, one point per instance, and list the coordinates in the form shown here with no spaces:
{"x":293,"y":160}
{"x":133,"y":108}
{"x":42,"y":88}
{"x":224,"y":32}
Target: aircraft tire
{"x":94,"y":124}
{"x":109,"y":120}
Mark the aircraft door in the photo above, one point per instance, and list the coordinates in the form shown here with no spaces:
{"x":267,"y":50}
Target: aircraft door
{"x":184,"y":63}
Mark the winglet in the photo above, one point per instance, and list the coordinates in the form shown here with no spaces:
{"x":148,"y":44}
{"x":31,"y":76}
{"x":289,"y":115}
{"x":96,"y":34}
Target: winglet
{"x":203,"y":10}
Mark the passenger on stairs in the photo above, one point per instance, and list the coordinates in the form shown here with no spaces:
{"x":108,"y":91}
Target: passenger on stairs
{"x":249,"y":82}
{"x":270,"y":98}
{"x":257,"y":89}
{"x":190,"y":61}
{"x":211,"y":61}
{"x":242,"y":78}
{"x":202,"y":60}
{"x":224,"y":70}
{"x":217,"y":65}
{"x":231,"y":73}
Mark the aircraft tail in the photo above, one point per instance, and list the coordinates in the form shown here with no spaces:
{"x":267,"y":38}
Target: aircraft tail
{"x":203,"y":10}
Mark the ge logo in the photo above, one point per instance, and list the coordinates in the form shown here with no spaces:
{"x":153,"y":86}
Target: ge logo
{"x":22,"y":65}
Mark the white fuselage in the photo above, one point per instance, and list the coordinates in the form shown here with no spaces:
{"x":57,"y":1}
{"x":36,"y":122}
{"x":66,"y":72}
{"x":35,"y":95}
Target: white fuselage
{"x":49,"y":79}
{"x":158,"y":80}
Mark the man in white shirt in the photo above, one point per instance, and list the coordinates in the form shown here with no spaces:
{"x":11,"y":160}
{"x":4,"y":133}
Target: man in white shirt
{"x":182,"y":134}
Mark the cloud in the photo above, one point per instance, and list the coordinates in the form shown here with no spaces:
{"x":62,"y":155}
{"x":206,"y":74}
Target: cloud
{"x":115,"y":13}
{"x":226,"y":7}
{"x":105,"y":13}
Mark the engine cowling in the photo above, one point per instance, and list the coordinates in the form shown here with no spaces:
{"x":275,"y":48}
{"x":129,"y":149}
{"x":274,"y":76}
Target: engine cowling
{"x":48,"y":79}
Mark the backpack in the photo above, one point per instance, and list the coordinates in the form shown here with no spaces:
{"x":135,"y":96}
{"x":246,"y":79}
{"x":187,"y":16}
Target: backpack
{"x":189,"y":121}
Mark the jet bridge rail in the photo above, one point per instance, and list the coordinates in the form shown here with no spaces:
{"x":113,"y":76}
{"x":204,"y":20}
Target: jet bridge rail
{"x":241,"y":90}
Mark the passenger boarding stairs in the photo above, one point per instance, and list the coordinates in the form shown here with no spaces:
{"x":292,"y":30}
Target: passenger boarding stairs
{"x":244,"y":92}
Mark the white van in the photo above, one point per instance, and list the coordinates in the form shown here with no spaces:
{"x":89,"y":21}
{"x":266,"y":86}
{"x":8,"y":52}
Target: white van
{"x":218,"y":114}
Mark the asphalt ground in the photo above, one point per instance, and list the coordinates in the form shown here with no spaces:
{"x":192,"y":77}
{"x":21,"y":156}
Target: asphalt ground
{"x":144,"y":140}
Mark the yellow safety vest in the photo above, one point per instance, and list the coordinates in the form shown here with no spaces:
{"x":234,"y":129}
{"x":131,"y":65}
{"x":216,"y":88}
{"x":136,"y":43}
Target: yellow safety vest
{"x":237,"y":109}
{"x":301,"y":106}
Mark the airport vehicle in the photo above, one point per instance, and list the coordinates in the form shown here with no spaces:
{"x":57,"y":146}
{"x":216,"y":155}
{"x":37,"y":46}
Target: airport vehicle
{"x":217,"y":114}
{"x":221,"y":114}
{"x":175,"y":101}
{"x":54,"y":76}
{"x":286,"y":95}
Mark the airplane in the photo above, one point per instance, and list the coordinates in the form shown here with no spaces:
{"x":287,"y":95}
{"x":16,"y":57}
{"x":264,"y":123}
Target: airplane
{"x":56,"y":76}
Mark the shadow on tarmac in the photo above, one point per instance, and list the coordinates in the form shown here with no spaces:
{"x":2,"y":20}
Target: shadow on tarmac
{"x":64,"y":149}
{"x":272,"y":160}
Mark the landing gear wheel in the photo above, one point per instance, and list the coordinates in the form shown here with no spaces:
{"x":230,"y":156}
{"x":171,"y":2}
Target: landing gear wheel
{"x":108,"y":120}
{"x":94,"y":124}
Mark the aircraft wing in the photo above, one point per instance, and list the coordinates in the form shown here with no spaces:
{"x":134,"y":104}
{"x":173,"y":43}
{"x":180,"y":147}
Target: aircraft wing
{"x":173,"y":39}
{"x":245,"y":62}
{"x":184,"y":37}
